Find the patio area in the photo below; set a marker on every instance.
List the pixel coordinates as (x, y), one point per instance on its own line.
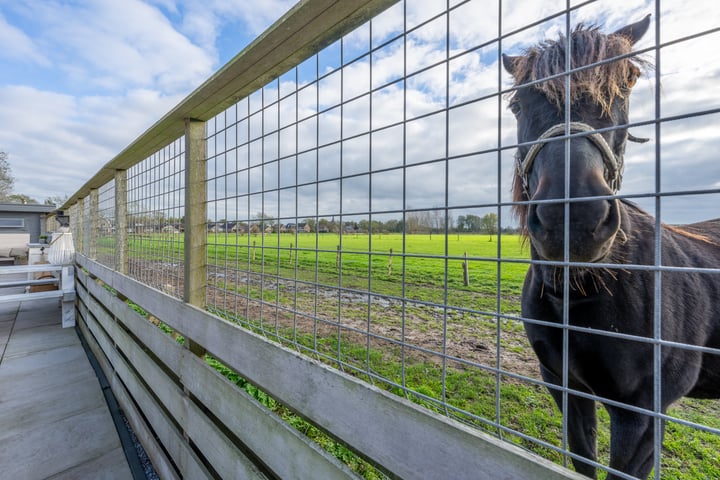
(54, 420)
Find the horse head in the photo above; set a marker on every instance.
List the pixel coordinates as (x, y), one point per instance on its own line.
(572, 140)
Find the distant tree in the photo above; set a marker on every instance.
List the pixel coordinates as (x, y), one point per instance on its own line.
(263, 220)
(473, 223)
(436, 219)
(6, 178)
(20, 198)
(56, 200)
(393, 226)
(323, 225)
(377, 227)
(489, 224)
(412, 223)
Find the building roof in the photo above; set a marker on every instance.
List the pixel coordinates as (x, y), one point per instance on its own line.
(26, 208)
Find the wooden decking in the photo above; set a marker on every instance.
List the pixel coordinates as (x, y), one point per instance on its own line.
(54, 421)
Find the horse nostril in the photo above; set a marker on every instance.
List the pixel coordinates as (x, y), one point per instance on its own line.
(610, 221)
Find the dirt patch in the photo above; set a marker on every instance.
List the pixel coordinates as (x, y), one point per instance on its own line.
(423, 331)
(463, 338)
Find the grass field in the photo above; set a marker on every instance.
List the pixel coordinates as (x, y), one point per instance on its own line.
(395, 310)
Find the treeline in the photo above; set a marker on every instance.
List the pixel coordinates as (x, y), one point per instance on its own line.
(424, 222)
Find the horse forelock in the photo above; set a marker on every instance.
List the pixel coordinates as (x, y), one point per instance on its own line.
(601, 84)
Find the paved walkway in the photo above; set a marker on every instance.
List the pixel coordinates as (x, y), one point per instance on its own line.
(54, 422)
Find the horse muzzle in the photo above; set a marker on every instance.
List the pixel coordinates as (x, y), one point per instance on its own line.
(593, 227)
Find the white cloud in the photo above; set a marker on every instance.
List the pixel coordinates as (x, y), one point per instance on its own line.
(123, 45)
(22, 47)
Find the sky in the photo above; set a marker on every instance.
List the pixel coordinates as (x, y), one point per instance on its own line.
(81, 80)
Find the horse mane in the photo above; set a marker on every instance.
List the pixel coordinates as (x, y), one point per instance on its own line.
(686, 231)
(602, 83)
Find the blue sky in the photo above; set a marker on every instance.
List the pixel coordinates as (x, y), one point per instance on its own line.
(80, 80)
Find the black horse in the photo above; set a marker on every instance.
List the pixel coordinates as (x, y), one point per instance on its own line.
(612, 297)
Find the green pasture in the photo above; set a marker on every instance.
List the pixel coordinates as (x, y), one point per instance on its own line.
(420, 267)
(424, 270)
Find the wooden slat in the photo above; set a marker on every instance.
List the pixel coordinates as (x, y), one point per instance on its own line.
(45, 267)
(172, 439)
(281, 447)
(22, 283)
(27, 297)
(407, 440)
(224, 457)
(161, 463)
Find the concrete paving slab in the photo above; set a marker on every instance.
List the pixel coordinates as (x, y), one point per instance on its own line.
(31, 362)
(54, 421)
(41, 380)
(28, 341)
(106, 467)
(37, 313)
(17, 414)
(8, 311)
(5, 329)
(46, 450)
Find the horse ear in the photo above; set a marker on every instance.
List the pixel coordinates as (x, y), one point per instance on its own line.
(635, 31)
(509, 63)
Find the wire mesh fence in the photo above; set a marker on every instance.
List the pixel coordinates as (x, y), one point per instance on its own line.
(155, 205)
(106, 222)
(359, 211)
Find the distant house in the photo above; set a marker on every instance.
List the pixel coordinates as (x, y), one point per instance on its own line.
(240, 227)
(21, 224)
(21, 219)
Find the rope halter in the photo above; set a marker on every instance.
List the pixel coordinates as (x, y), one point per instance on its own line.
(613, 165)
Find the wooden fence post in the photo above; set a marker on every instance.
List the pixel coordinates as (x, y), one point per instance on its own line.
(121, 222)
(466, 271)
(80, 223)
(93, 224)
(195, 281)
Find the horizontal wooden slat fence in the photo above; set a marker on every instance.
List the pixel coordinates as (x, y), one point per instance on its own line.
(198, 424)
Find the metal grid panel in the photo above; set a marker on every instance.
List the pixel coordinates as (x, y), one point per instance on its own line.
(106, 225)
(86, 213)
(155, 200)
(342, 194)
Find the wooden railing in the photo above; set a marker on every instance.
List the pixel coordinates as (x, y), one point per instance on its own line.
(63, 280)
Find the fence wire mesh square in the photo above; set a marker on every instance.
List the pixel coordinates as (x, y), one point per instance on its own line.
(359, 209)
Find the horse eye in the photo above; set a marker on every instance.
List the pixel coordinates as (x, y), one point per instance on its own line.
(515, 107)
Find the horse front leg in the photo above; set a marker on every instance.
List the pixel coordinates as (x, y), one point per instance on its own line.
(631, 442)
(582, 425)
